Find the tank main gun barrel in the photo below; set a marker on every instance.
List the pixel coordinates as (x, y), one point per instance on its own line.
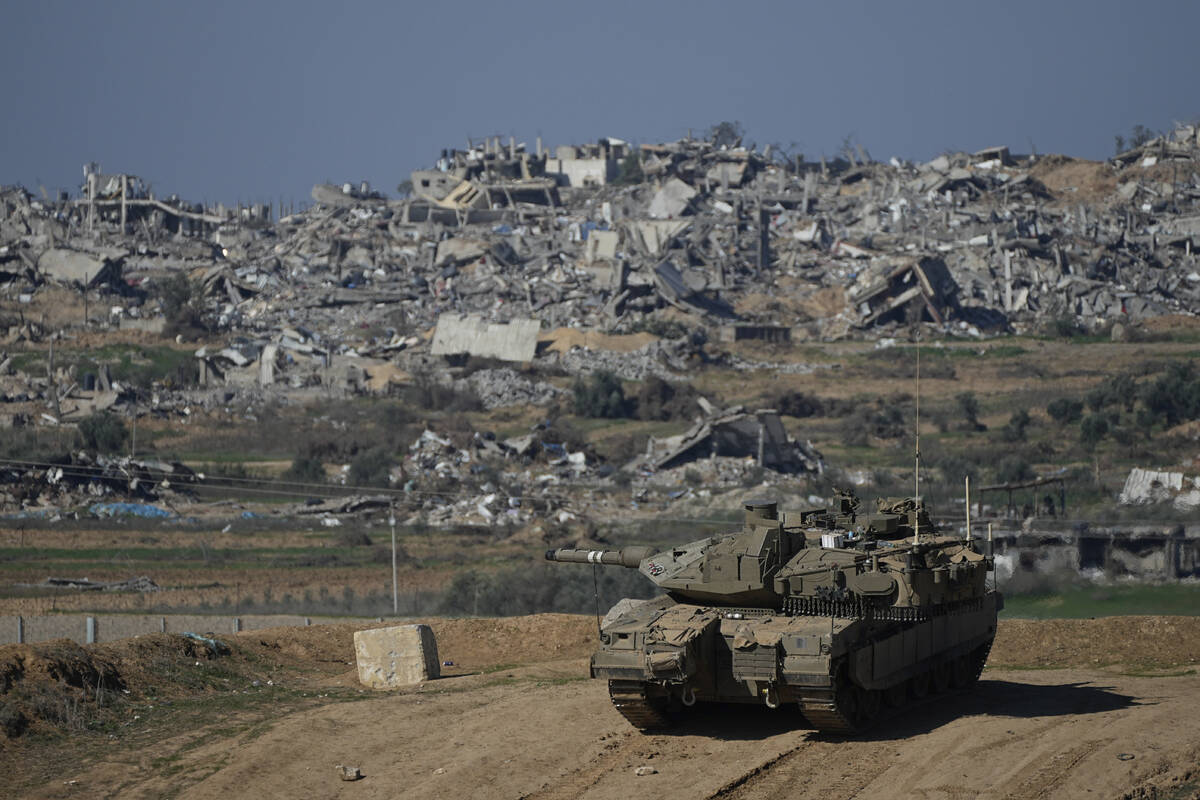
(630, 557)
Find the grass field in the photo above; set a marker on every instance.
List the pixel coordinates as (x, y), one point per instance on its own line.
(1175, 599)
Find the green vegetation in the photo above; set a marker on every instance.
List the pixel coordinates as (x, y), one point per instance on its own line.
(1081, 602)
(601, 395)
(1065, 410)
(968, 405)
(305, 469)
(104, 432)
(181, 300)
(372, 467)
(629, 171)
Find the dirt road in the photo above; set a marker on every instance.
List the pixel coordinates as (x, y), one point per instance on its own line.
(540, 732)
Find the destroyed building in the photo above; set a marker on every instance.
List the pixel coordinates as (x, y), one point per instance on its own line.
(499, 247)
(737, 433)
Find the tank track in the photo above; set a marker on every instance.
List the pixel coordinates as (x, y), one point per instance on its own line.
(824, 714)
(836, 710)
(634, 702)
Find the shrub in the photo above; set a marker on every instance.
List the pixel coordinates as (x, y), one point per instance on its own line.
(883, 419)
(968, 403)
(427, 393)
(104, 432)
(600, 395)
(372, 468)
(799, 404)
(659, 400)
(1013, 469)
(1097, 398)
(630, 170)
(354, 539)
(1065, 410)
(1065, 327)
(180, 299)
(1092, 430)
(305, 469)
(1014, 431)
(1175, 396)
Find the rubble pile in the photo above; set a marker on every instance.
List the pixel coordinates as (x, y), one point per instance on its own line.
(81, 479)
(497, 388)
(640, 261)
(725, 234)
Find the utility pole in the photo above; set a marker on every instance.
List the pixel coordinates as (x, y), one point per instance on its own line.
(395, 585)
(53, 385)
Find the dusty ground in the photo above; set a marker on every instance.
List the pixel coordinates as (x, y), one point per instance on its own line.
(1097, 708)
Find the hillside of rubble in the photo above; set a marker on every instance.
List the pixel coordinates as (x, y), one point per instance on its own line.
(536, 339)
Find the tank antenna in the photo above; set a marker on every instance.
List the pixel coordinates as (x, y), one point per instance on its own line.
(917, 447)
(968, 482)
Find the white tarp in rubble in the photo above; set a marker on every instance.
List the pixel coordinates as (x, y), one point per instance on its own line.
(459, 334)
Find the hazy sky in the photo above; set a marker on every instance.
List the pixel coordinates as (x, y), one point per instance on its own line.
(251, 101)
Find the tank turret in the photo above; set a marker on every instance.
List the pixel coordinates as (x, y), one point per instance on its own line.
(833, 608)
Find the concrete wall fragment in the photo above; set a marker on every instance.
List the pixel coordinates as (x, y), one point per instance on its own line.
(402, 655)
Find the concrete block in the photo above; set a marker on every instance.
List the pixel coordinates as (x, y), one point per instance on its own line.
(399, 656)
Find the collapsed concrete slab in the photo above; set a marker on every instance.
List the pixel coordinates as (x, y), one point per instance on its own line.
(925, 284)
(81, 269)
(458, 334)
(1148, 486)
(738, 433)
(389, 658)
(672, 200)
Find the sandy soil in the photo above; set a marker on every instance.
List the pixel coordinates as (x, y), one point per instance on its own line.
(539, 729)
(1021, 734)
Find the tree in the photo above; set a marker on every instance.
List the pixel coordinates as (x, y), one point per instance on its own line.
(1141, 134)
(104, 432)
(372, 468)
(180, 300)
(1013, 469)
(968, 403)
(1092, 430)
(305, 468)
(1065, 410)
(1014, 431)
(1175, 396)
(600, 395)
(629, 171)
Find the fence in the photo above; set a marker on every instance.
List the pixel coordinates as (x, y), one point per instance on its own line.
(89, 628)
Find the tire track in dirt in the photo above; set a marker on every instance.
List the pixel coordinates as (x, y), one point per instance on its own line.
(1030, 735)
(580, 779)
(1052, 775)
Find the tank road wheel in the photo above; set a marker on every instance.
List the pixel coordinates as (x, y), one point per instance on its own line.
(646, 706)
(979, 658)
(918, 685)
(847, 702)
(941, 677)
(962, 671)
(895, 696)
(869, 702)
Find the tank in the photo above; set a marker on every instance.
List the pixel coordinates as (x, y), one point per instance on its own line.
(844, 614)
